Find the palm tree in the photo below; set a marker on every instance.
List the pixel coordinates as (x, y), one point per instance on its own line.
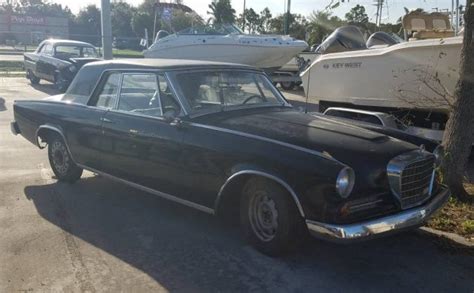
(222, 11)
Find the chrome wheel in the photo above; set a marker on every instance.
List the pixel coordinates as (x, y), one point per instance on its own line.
(60, 157)
(263, 216)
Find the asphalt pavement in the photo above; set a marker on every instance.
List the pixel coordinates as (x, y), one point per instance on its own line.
(11, 57)
(101, 236)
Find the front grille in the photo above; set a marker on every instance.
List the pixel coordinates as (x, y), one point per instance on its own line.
(410, 176)
(415, 182)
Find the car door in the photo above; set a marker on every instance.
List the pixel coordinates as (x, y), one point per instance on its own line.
(141, 144)
(43, 66)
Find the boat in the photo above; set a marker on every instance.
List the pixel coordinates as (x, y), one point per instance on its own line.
(414, 79)
(226, 43)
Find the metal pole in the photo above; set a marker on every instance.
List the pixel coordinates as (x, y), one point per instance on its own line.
(452, 13)
(243, 17)
(106, 29)
(456, 29)
(287, 19)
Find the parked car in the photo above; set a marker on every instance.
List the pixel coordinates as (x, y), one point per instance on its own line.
(221, 138)
(58, 61)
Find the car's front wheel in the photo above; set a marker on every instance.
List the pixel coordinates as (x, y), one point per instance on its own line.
(61, 162)
(269, 217)
(33, 78)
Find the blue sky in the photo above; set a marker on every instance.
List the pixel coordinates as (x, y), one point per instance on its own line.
(305, 7)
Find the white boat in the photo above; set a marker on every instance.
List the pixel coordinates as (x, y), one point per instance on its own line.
(226, 43)
(418, 75)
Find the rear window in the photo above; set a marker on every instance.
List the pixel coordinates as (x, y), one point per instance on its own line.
(83, 84)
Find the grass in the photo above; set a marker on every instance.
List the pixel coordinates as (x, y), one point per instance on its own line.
(8, 66)
(127, 53)
(456, 217)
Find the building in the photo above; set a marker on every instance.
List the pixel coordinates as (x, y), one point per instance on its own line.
(32, 29)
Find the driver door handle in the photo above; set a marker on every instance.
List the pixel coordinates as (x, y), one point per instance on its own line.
(106, 120)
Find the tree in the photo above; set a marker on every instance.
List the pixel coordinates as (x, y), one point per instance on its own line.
(265, 19)
(252, 20)
(86, 26)
(222, 12)
(357, 15)
(459, 133)
(121, 15)
(298, 24)
(321, 24)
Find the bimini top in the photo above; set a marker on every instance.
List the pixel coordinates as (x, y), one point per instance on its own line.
(88, 76)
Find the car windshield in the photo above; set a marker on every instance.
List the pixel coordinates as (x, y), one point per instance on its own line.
(76, 51)
(210, 91)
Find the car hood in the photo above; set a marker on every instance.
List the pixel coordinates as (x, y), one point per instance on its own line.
(367, 152)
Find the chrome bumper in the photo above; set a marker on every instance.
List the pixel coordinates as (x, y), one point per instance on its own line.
(14, 128)
(411, 218)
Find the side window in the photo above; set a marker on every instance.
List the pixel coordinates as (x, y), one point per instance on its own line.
(139, 93)
(47, 50)
(108, 95)
(169, 104)
(147, 94)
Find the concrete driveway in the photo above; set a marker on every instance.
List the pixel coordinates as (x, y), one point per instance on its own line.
(100, 236)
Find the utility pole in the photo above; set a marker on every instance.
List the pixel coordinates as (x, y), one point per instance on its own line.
(456, 28)
(106, 29)
(287, 18)
(243, 17)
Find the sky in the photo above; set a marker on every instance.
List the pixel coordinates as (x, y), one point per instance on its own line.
(393, 9)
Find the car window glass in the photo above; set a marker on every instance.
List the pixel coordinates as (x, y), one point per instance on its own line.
(48, 50)
(108, 95)
(215, 90)
(89, 52)
(68, 51)
(169, 104)
(139, 94)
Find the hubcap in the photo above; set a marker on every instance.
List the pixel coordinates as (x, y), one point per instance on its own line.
(263, 217)
(60, 157)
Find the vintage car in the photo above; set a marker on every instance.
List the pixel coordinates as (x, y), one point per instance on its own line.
(58, 61)
(222, 139)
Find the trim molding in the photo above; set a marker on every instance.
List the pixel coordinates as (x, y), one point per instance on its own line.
(266, 175)
(152, 191)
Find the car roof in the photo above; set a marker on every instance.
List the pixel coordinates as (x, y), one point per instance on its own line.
(67, 42)
(157, 63)
(87, 77)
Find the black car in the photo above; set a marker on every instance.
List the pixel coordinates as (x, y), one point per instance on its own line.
(221, 138)
(58, 61)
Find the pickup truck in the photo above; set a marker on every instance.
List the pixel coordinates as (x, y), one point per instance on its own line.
(58, 61)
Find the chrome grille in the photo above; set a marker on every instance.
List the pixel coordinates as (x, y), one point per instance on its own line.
(411, 177)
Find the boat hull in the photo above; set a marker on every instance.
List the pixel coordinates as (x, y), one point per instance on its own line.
(256, 52)
(416, 74)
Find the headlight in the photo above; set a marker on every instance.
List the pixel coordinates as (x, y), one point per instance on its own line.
(345, 182)
(439, 155)
(72, 68)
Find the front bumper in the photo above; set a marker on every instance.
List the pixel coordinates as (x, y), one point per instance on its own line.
(411, 218)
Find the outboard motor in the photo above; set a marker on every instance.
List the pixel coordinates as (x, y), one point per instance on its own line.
(381, 38)
(346, 38)
(161, 34)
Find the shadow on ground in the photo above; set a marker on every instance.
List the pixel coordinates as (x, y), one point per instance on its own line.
(183, 249)
(46, 87)
(2, 105)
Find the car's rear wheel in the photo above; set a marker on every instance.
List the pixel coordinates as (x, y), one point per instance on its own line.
(269, 217)
(61, 162)
(33, 78)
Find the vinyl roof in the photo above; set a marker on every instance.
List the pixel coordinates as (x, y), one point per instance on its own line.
(155, 63)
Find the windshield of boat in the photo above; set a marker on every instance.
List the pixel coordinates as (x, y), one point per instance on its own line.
(213, 91)
(222, 29)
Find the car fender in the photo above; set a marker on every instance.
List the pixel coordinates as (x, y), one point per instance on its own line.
(249, 169)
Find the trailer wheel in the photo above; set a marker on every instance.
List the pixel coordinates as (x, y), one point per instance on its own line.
(287, 86)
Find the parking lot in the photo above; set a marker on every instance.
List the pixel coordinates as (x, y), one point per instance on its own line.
(97, 235)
